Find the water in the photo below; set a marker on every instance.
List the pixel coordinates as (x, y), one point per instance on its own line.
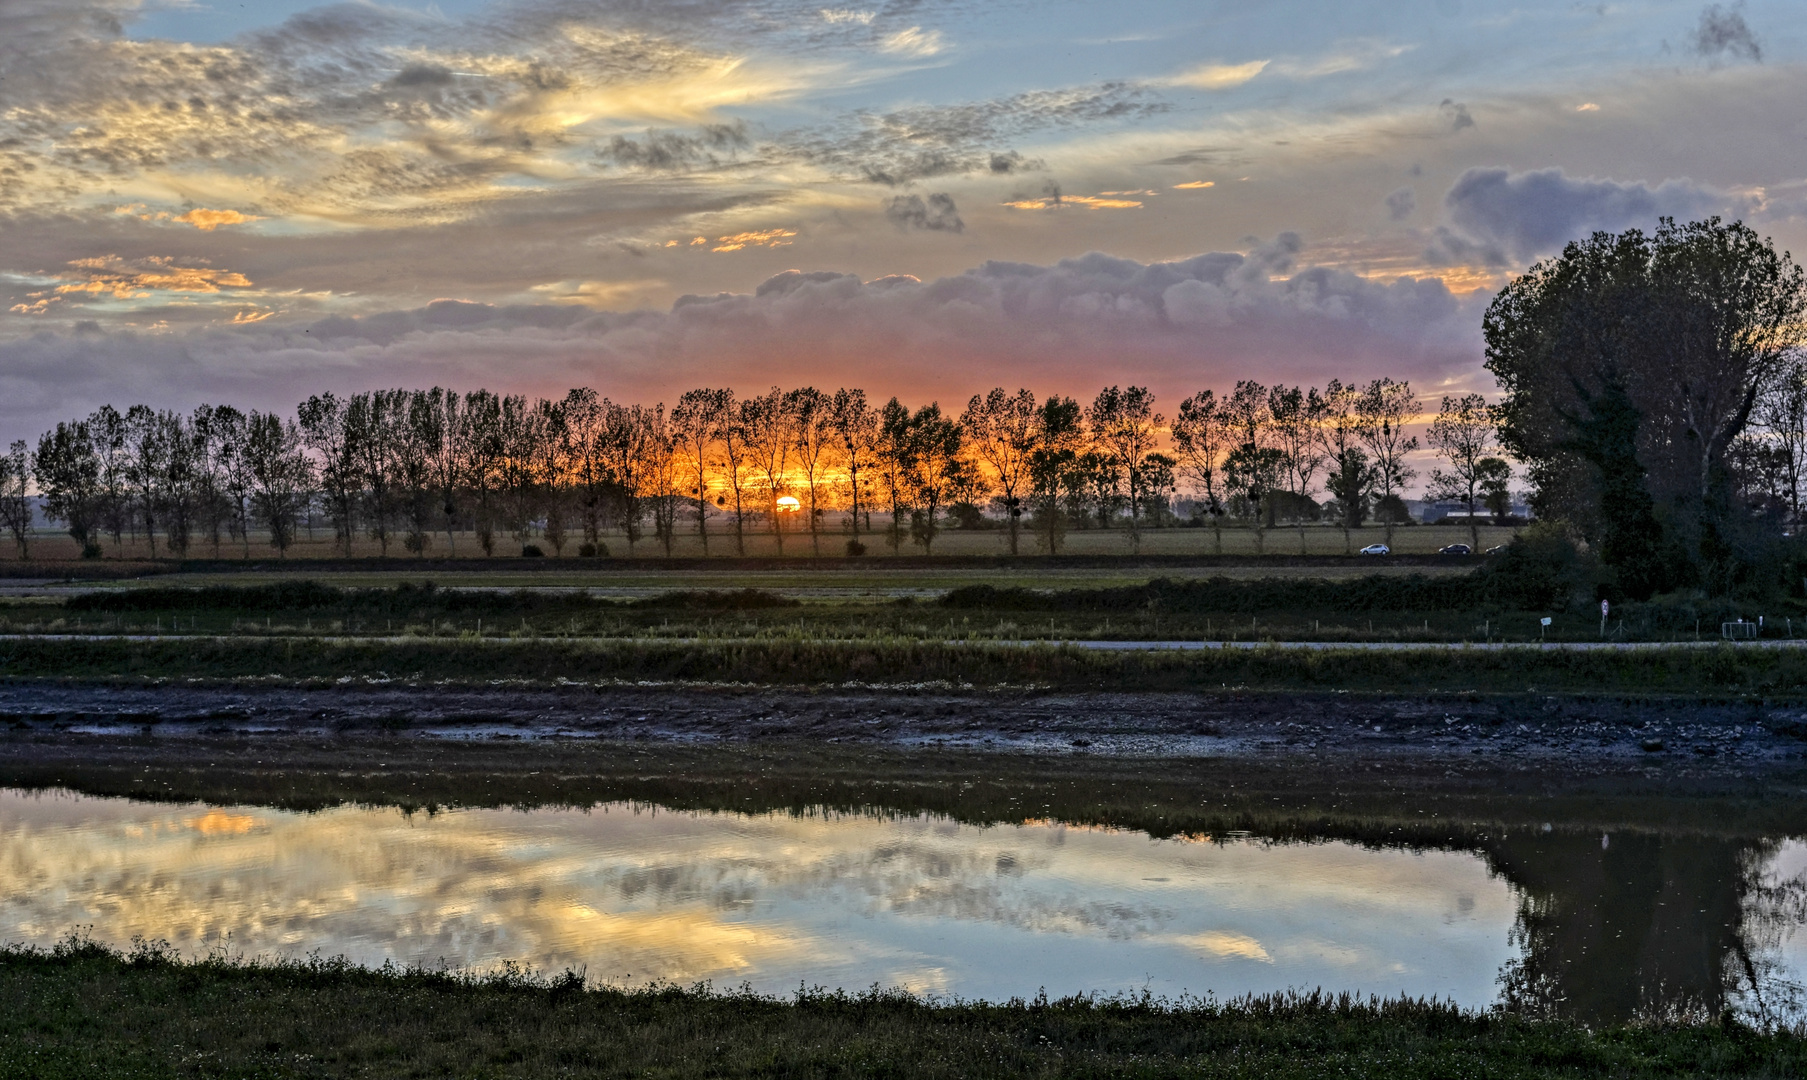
(1564, 921)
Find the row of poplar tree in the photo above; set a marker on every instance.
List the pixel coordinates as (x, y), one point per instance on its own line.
(401, 466)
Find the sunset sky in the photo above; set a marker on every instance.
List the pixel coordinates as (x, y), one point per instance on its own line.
(216, 200)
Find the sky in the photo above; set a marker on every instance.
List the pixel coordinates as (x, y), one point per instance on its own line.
(250, 202)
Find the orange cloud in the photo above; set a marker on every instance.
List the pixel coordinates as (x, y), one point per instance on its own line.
(200, 217)
(1091, 202)
(1191, 185)
(767, 238)
(123, 280)
(209, 220)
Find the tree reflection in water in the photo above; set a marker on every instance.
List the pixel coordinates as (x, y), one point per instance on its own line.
(1646, 927)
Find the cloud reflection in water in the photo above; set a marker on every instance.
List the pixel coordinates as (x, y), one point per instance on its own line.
(632, 894)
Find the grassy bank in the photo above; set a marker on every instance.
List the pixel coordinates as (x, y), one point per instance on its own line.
(1721, 671)
(1447, 608)
(83, 1011)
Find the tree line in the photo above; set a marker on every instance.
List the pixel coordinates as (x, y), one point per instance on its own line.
(403, 467)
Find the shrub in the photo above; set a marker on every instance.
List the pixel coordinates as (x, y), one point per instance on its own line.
(90, 550)
(1542, 570)
(854, 547)
(532, 551)
(593, 551)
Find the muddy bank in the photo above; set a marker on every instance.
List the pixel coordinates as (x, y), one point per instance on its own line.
(1518, 732)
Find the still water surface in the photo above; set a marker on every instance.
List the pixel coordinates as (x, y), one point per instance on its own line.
(632, 893)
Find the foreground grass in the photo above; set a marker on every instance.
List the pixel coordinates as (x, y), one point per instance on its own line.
(81, 1010)
(1716, 671)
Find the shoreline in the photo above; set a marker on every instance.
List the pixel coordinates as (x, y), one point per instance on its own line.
(1566, 733)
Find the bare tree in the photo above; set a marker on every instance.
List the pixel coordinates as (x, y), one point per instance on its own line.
(1252, 467)
(516, 437)
(218, 433)
(895, 456)
(1200, 436)
(1463, 434)
(1782, 412)
(585, 431)
(326, 433)
(549, 457)
(659, 473)
(1126, 428)
(282, 475)
(855, 428)
(1382, 413)
(480, 455)
(445, 462)
(1295, 415)
(1339, 434)
(936, 470)
(768, 429)
(811, 436)
(15, 495)
(695, 426)
(624, 457)
(147, 464)
(1053, 471)
(67, 471)
(417, 447)
(731, 436)
(1001, 430)
(375, 427)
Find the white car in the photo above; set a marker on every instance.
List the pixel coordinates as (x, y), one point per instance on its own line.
(1376, 549)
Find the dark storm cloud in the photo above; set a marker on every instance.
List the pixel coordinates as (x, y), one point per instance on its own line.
(1723, 32)
(937, 213)
(1457, 112)
(1501, 218)
(1401, 203)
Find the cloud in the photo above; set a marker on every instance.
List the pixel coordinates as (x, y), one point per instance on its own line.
(1502, 218)
(117, 278)
(922, 142)
(1401, 203)
(1723, 32)
(1353, 56)
(1009, 161)
(1054, 200)
(760, 238)
(1457, 112)
(1069, 326)
(710, 146)
(1217, 76)
(209, 220)
(847, 15)
(913, 41)
(937, 213)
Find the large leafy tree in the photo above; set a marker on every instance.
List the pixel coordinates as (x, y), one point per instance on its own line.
(1631, 364)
